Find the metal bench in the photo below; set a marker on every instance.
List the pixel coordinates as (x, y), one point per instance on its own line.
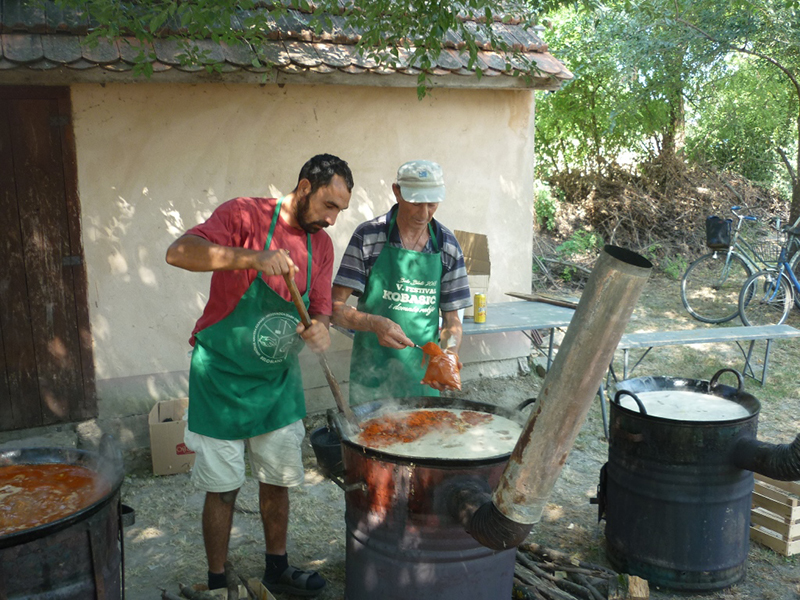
(710, 335)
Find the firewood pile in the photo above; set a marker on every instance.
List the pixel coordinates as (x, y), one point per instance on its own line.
(547, 574)
(239, 587)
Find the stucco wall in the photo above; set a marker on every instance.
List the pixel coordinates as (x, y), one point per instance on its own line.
(155, 159)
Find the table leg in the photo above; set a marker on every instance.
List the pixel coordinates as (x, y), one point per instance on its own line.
(602, 395)
(747, 369)
(766, 363)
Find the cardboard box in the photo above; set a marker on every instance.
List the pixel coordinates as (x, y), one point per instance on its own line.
(170, 454)
(476, 259)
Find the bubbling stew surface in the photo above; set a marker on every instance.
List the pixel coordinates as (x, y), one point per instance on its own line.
(440, 433)
(33, 495)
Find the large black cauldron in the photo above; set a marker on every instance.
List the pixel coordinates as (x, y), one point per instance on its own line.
(78, 557)
(676, 494)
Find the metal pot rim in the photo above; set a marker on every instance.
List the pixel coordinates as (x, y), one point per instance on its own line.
(386, 407)
(71, 456)
(700, 386)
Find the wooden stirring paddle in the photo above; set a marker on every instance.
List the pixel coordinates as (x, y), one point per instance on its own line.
(344, 407)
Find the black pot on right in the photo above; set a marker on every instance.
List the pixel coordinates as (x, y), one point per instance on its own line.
(677, 508)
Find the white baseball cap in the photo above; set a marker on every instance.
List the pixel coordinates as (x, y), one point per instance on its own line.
(421, 181)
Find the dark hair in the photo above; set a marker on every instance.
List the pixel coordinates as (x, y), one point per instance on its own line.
(320, 169)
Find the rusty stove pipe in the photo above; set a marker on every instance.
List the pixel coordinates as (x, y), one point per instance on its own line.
(505, 519)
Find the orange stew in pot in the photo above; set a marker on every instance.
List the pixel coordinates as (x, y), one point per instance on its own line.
(407, 427)
(442, 367)
(32, 495)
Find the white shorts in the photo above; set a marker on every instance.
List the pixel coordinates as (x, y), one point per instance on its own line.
(275, 458)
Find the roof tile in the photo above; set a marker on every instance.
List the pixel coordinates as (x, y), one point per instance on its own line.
(82, 65)
(45, 65)
(303, 54)
(333, 55)
(493, 60)
(448, 59)
(130, 48)
(547, 63)
(292, 69)
(61, 48)
(118, 67)
(22, 47)
(103, 52)
(168, 51)
(22, 15)
(274, 53)
(70, 20)
(237, 54)
(323, 68)
(45, 36)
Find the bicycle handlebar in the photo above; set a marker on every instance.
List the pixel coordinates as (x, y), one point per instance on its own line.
(734, 210)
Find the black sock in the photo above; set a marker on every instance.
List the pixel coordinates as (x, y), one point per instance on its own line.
(217, 581)
(276, 564)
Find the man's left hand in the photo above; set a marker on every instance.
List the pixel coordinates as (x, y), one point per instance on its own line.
(316, 336)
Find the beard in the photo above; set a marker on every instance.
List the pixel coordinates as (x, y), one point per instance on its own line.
(303, 216)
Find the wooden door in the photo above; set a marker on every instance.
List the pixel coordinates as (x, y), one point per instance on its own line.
(46, 364)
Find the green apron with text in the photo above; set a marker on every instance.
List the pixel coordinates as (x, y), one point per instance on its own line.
(245, 376)
(404, 286)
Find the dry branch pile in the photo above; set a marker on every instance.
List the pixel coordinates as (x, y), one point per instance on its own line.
(547, 574)
(659, 211)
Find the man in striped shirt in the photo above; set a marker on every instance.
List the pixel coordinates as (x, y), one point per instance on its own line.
(404, 267)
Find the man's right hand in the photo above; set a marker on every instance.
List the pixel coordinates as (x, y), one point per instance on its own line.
(389, 333)
(274, 262)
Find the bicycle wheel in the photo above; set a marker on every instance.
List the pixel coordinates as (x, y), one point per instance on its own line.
(711, 285)
(765, 299)
(794, 265)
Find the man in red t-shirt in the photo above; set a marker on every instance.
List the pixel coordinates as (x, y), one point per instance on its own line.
(245, 388)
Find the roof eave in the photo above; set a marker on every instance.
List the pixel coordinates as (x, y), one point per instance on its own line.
(62, 75)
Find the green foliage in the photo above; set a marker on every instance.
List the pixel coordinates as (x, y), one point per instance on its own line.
(545, 206)
(719, 77)
(674, 267)
(579, 243)
(744, 121)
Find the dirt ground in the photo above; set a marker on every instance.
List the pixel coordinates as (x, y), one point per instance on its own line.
(164, 546)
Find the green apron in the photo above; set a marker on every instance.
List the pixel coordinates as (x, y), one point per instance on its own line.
(245, 377)
(404, 286)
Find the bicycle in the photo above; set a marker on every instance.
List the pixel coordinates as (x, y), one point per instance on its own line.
(711, 285)
(767, 296)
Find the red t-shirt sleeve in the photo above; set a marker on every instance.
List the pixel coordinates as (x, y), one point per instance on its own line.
(225, 225)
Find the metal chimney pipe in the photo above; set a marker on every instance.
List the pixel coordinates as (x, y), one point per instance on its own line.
(504, 520)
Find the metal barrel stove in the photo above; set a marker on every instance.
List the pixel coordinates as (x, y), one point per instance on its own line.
(401, 540)
(676, 490)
